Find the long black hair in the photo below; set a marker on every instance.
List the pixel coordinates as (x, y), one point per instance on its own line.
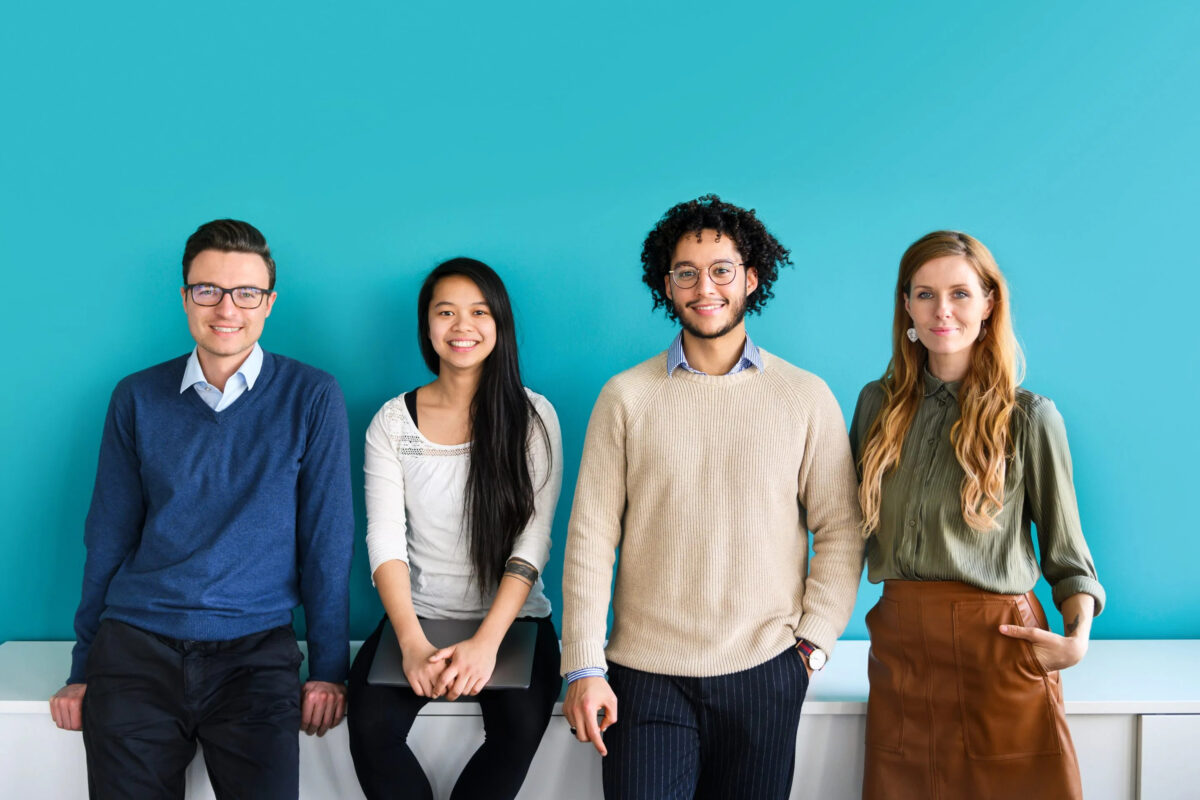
(498, 502)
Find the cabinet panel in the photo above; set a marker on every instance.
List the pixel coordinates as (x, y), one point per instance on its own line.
(1106, 745)
(1169, 767)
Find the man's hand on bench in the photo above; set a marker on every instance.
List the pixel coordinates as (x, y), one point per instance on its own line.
(66, 707)
(322, 706)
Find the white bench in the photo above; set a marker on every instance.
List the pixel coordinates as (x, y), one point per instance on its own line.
(1133, 708)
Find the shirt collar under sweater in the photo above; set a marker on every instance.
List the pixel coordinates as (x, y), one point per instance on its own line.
(676, 358)
(241, 381)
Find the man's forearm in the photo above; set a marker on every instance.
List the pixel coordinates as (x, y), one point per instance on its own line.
(325, 595)
(587, 566)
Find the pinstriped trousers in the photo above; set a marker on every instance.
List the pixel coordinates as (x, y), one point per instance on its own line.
(727, 736)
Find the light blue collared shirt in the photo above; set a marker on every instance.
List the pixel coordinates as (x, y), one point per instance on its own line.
(241, 381)
(751, 357)
(676, 358)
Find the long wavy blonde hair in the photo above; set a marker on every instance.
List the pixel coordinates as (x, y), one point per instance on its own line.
(986, 396)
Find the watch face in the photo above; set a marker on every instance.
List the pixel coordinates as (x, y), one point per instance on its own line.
(816, 659)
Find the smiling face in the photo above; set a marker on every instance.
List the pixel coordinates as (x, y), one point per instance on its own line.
(462, 329)
(948, 304)
(224, 333)
(709, 310)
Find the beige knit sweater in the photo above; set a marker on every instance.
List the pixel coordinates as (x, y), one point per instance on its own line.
(709, 485)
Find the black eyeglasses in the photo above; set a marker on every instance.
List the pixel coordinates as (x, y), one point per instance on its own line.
(722, 273)
(206, 294)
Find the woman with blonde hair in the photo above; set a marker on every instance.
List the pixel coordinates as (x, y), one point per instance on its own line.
(956, 462)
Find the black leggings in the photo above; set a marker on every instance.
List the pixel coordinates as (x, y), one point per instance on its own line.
(380, 717)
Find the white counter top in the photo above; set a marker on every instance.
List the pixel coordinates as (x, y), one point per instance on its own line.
(1117, 677)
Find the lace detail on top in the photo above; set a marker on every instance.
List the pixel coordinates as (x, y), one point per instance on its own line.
(407, 440)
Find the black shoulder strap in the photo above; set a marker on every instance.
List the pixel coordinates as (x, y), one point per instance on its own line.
(410, 401)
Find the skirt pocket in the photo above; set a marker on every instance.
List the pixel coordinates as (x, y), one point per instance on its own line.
(885, 672)
(1006, 706)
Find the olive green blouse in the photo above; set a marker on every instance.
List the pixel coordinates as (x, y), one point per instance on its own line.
(922, 534)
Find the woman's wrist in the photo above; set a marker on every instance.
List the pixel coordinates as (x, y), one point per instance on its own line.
(413, 641)
(490, 633)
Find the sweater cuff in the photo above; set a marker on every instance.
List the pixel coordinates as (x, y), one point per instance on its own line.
(328, 666)
(78, 665)
(821, 632)
(583, 655)
(1080, 584)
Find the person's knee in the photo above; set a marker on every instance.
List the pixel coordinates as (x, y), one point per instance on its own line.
(375, 715)
(369, 719)
(520, 736)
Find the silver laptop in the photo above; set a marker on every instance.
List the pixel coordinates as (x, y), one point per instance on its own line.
(514, 659)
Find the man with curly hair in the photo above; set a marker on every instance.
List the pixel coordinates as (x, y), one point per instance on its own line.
(708, 465)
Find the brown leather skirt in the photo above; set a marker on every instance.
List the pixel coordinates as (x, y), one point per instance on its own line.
(958, 710)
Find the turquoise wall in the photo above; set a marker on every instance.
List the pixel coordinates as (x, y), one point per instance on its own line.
(372, 140)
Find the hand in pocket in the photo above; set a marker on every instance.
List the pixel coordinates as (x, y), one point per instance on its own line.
(1052, 651)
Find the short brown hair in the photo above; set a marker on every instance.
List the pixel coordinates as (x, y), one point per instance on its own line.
(228, 236)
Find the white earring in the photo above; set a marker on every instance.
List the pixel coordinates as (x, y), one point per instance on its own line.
(912, 334)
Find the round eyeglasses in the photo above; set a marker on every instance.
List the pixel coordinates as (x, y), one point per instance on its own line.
(206, 294)
(722, 273)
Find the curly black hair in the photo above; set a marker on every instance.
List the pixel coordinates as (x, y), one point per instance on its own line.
(758, 247)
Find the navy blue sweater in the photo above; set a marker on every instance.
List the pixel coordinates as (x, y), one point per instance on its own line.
(212, 526)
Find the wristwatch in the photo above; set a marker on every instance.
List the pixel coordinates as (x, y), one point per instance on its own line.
(816, 656)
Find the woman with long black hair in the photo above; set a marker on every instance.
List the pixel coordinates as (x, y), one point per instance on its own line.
(462, 476)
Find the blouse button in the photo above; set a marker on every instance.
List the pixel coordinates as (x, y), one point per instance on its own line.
(912, 523)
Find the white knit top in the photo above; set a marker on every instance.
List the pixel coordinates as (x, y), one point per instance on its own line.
(414, 493)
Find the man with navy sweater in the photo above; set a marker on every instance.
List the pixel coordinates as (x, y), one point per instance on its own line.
(222, 501)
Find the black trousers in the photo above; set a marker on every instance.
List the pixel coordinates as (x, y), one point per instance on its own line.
(729, 736)
(150, 698)
(514, 720)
